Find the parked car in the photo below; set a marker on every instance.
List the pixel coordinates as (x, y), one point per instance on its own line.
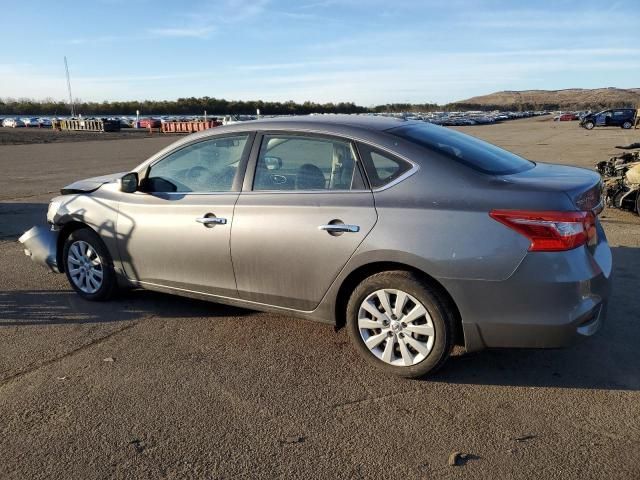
(618, 117)
(12, 122)
(30, 122)
(123, 121)
(45, 122)
(150, 123)
(566, 117)
(414, 236)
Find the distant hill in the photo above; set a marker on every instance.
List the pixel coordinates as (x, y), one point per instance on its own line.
(569, 99)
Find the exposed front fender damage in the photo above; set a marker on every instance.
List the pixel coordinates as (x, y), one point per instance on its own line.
(89, 185)
(97, 211)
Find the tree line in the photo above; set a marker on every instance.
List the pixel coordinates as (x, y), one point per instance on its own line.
(181, 106)
(217, 106)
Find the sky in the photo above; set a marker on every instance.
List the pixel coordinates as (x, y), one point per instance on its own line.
(369, 52)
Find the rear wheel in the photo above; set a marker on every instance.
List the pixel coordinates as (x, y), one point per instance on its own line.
(88, 265)
(627, 125)
(400, 324)
(589, 125)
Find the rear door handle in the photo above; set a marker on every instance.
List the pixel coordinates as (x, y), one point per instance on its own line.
(339, 228)
(210, 221)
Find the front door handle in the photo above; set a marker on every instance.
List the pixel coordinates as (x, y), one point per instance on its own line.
(211, 221)
(339, 228)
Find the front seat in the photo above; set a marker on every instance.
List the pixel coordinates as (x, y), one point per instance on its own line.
(309, 177)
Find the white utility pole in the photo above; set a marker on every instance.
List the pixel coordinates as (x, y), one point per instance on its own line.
(66, 67)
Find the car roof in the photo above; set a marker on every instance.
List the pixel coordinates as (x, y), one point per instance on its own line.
(367, 122)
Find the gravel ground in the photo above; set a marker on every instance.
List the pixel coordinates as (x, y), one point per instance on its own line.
(25, 136)
(154, 386)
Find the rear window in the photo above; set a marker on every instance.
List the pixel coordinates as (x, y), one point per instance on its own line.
(479, 155)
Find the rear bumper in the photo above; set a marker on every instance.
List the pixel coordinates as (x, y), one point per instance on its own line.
(41, 244)
(552, 300)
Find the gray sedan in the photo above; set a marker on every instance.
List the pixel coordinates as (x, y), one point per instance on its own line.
(413, 236)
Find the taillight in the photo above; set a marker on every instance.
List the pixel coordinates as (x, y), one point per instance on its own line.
(550, 231)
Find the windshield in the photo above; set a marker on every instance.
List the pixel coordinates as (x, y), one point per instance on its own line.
(475, 153)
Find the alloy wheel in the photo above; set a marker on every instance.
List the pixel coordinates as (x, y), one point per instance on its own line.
(85, 267)
(396, 327)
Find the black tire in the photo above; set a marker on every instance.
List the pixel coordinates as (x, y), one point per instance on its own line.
(440, 311)
(109, 283)
(638, 203)
(589, 125)
(627, 125)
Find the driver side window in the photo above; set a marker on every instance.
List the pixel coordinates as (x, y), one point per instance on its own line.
(203, 167)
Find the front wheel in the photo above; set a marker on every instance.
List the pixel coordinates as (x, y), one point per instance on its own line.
(88, 265)
(400, 324)
(589, 125)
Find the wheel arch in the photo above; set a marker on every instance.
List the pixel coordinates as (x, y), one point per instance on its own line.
(65, 231)
(363, 271)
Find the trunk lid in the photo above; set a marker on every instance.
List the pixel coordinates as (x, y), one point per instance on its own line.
(582, 186)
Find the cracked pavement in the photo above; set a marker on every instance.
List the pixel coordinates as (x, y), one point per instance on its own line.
(155, 386)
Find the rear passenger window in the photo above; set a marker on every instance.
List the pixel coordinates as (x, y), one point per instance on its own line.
(382, 168)
(306, 163)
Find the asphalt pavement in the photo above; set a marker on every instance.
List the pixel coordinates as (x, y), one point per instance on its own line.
(156, 386)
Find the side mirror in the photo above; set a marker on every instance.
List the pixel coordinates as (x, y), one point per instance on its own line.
(129, 183)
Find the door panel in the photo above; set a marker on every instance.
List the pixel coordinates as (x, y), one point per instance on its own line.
(280, 255)
(160, 240)
(177, 235)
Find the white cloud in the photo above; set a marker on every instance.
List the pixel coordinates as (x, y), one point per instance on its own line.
(88, 40)
(189, 32)
(531, 19)
(203, 22)
(436, 77)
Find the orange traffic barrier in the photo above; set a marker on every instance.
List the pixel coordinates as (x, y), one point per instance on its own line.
(188, 127)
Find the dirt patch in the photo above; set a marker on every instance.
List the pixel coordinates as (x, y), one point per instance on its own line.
(23, 136)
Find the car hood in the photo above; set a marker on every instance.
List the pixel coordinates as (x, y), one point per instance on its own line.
(90, 184)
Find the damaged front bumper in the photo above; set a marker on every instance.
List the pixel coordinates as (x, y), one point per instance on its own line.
(41, 244)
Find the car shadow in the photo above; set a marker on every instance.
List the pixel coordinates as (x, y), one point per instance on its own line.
(56, 307)
(608, 360)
